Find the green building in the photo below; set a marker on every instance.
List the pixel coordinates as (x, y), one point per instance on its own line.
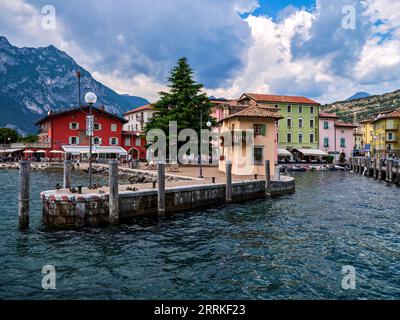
(299, 128)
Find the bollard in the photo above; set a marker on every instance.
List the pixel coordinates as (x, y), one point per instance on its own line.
(255, 176)
(397, 174)
(368, 167)
(213, 179)
(114, 198)
(375, 164)
(161, 188)
(23, 197)
(267, 178)
(67, 174)
(389, 170)
(351, 164)
(278, 173)
(380, 169)
(228, 181)
(154, 184)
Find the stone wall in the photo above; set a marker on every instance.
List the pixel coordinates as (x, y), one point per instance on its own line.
(75, 211)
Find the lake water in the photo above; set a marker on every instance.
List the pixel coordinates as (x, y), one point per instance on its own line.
(293, 247)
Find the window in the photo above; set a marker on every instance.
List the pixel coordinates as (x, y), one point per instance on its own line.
(311, 123)
(326, 142)
(289, 138)
(289, 109)
(326, 125)
(342, 142)
(97, 126)
(113, 127)
(136, 127)
(259, 129)
(114, 141)
(311, 137)
(258, 155)
(300, 109)
(73, 140)
(74, 126)
(96, 141)
(127, 141)
(300, 123)
(289, 123)
(138, 142)
(300, 137)
(311, 109)
(390, 136)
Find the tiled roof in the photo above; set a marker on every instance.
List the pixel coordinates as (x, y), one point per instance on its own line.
(284, 99)
(256, 112)
(349, 125)
(142, 108)
(328, 115)
(393, 114)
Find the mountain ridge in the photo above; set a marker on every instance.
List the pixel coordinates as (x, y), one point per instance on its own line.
(36, 80)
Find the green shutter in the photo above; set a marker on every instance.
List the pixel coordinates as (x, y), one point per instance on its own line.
(263, 129)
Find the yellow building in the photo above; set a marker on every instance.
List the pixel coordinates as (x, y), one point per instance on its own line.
(247, 158)
(367, 134)
(386, 134)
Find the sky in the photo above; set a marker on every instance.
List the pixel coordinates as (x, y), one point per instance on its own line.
(326, 50)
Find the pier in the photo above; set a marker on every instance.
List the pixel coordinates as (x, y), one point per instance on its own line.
(374, 168)
(123, 203)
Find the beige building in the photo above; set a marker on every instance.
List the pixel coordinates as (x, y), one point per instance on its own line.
(236, 146)
(137, 118)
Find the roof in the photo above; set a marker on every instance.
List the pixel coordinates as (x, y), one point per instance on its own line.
(142, 108)
(328, 115)
(284, 153)
(95, 149)
(349, 125)
(393, 114)
(80, 109)
(256, 112)
(276, 98)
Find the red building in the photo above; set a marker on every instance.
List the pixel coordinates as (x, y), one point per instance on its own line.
(66, 131)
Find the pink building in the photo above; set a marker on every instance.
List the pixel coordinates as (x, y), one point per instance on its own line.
(336, 137)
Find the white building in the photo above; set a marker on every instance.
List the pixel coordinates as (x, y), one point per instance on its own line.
(137, 118)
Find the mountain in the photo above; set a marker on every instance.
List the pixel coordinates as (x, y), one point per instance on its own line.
(36, 80)
(359, 95)
(134, 101)
(364, 108)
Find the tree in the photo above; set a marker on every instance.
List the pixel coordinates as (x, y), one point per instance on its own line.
(8, 135)
(182, 103)
(30, 138)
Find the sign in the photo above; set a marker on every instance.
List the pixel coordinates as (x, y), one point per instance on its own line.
(367, 147)
(89, 126)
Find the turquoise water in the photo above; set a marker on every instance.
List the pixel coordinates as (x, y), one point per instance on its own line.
(290, 247)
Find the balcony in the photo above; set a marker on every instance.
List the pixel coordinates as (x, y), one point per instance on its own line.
(392, 127)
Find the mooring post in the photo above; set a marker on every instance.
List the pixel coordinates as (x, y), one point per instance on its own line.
(374, 164)
(351, 164)
(389, 170)
(114, 197)
(362, 165)
(228, 181)
(268, 178)
(23, 197)
(67, 174)
(368, 167)
(161, 188)
(397, 173)
(380, 169)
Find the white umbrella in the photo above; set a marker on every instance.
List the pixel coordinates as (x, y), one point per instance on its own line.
(41, 151)
(29, 151)
(57, 151)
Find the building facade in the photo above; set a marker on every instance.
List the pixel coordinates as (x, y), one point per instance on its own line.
(298, 127)
(246, 159)
(386, 134)
(66, 131)
(134, 140)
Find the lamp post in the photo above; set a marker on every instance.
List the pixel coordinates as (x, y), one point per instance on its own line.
(90, 99)
(209, 124)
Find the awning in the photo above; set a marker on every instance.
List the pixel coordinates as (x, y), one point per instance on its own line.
(108, 150)
(312, 152)
(76, 150)
(10, 150)
(41, 151)
(284, 153)
(57, 152)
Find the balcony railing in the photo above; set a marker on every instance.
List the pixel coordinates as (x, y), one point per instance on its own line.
(34, 145)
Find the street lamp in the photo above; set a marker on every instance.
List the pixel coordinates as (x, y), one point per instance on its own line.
(209, 124)
(90, 99)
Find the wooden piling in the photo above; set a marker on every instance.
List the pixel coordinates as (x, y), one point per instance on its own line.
(114, 197)
(389, 170)
(375, 169)
(228, 181)
(23, 197)
(380, 169)
(267, 178)
(161, 188)
(67, 174)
